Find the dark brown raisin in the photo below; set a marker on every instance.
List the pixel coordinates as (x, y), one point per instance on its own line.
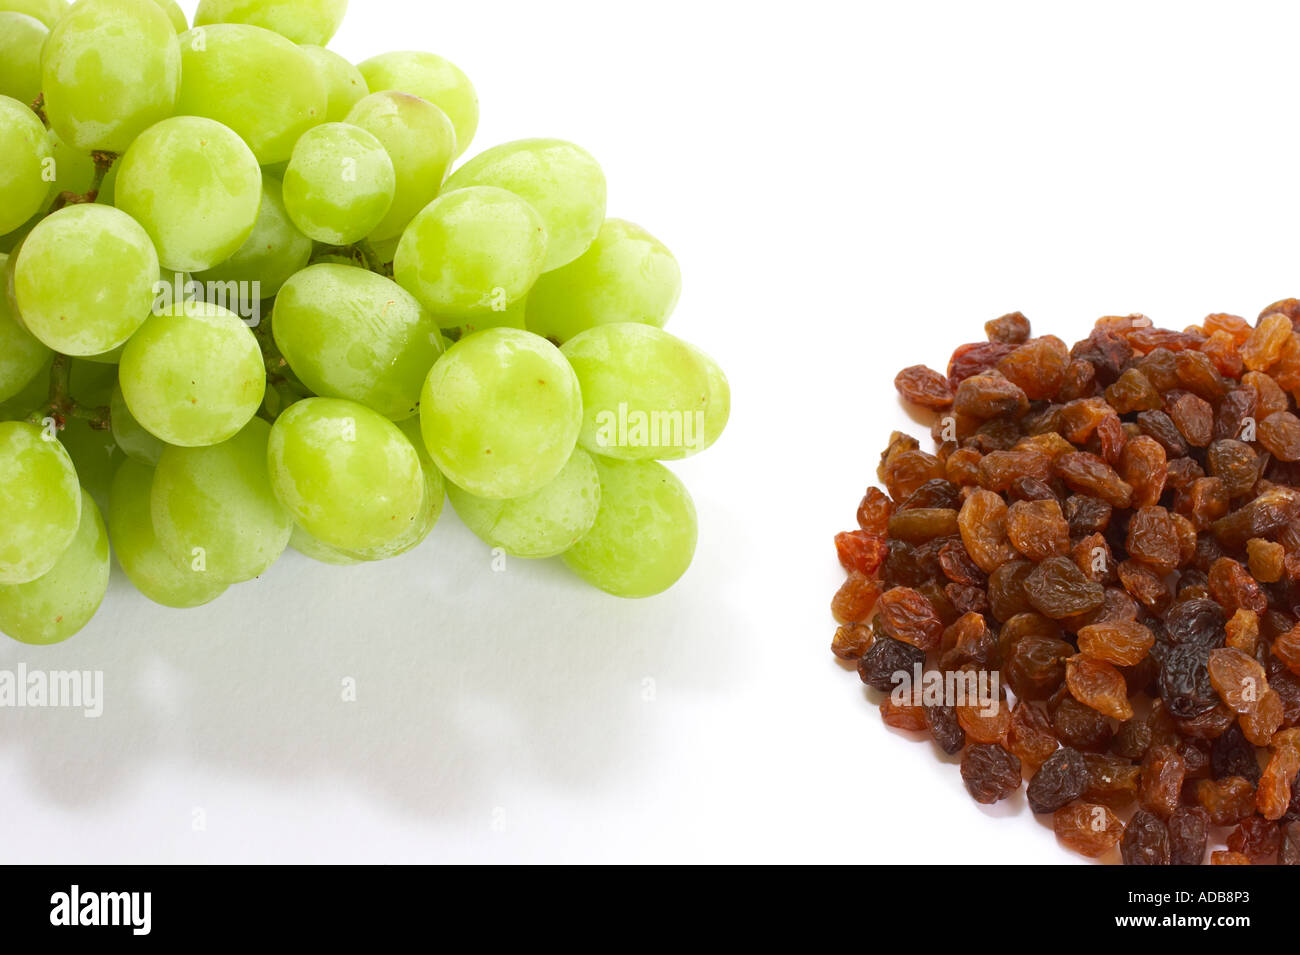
(1058, 782)
(990, 773)
(1146, 840)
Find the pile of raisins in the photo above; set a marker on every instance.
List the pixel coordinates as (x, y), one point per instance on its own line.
(1114, 530)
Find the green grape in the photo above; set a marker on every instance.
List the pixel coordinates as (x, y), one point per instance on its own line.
(431, 505)
(145, 563)
(60, 603)
(84, 279)
(718, 412)
(542, 524)
(110, 70)
(626, 276)
(25, 174)
(21, 40)
(349, 333)
(350, 478)
(561, 181)
(214, 510)
(471, 252)
(339, 184)
(110, 357)
(645, 394)
(193, 375)
(40, 499)
(74, 170)
(94, 454)
(254, 81)
(431, 78)
(195, 187)
(130, 435)
(309, 546)
(302, 21)
(275, 251)
(645, 533)
(48, 12)
(21, 356)
(343, 82)
(500, 413)
(421, 142)
(175, 14)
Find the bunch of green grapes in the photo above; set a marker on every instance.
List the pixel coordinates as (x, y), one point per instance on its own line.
(252, 304)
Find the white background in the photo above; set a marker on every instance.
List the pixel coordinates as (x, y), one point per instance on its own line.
(850, 188)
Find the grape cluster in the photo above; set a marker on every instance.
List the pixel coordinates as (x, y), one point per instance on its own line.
(251, 304)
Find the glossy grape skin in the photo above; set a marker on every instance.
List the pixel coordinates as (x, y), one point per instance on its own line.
(302, 21)
(560, 180)
(350, 333)
(141, 557)
(510, 317)
(431, 505)
(195, 187)
(40, 499)
(174, 14)
(718, 412)
(26, 151)
(421, 142)
(471, 251)
(21, 355)
(432, 78)
(254, 81)
(84, 279)
(48, 12)
(309, 546)
(645, 534)
(637, 374)
(194, 375)
(34, 396)
(21, 39)
(542, 524)
(500, 413)
(135, 442)
(61, 602)
(627, 275)
(219, 499)
(109, 71)
(339, 184)
(344, 83)
(273, 252)
(348, 476)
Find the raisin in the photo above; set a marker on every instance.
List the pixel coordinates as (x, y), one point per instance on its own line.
(1259, 724)
(1060, 780)
(1057, 588)
(925, 387)
(908, 470)
(1233, 413)
(990, 773)
(986, 396)
(1233, 587)
(1143, 465)
(1242, 632)
(937, 493)
(1086, 515)
(1080, 726)
(1232, 755)
(1264, 346)
(1098, 685)
(874, 511)
(1223, 857)
(861, 552)
(1235, 463)
(1133, 391)
(1089, 829)
(1269, 396)
(1111, 781)
(1192, 416)
(1038, 529)
(1271, 511)
(1088, 474)
(1234, 326)
(1153, 539)
(1035, 668)
(921, 524)
(1222, 351)
(1163, 771)
(1288, 852)
(1161, 428)
(1184, 681)
(887, 659)
(1287, 649)
(1279, 433)
(1189, 834)
(998, 470)
(852, 640)
(1133, 739)
(903, 716)
(1257, 839)
(1197, 374)
(1012, 328)
(983, 727)
(855, 599)
(1226, 801)
(1030, 735)
(1240, 680)
(944, 728)
(1007, 590)
(907, 615)
(975, 358)
(967, 599)
(1038, 367)
(983, 526)
(1123, 643)
(1199, 622)
(1146, 840)
(1274, 795)
(962, 466)
(1146, 585)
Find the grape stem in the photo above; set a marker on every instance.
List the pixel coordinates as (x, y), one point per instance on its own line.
(62, 406)
(38, 107)
(362, 254)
